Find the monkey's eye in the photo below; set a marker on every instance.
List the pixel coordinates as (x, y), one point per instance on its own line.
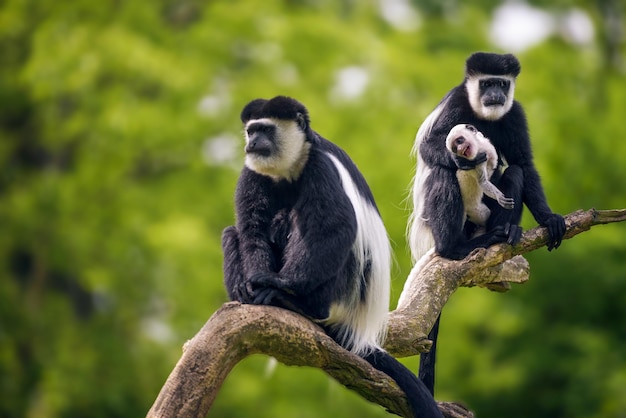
(265, 129)
(470, 128)
(494, 82)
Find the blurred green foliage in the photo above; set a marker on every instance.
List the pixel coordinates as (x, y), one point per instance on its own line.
(120, 145)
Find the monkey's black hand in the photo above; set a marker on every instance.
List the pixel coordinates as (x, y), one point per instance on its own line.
(514, 233)
(556, 229)
(509, 233)
(242, 292)
(247, 291)
(264, 288)
(465, 164)
(266, 296)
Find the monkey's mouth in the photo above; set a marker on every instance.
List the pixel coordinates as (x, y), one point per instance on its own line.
(494, 101)
(265, 152)
(464, 149)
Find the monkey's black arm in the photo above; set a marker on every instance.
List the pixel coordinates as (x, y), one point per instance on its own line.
(324, 231)
(433, 150)
(254, 217)
(523, 179)
(532, 191)
(535, 199)
(533, 194)
(466, 164)
(518, 152)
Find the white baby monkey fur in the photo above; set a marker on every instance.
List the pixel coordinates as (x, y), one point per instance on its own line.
(475, 182)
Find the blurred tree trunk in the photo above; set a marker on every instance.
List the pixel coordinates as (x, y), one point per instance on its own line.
(236, 331)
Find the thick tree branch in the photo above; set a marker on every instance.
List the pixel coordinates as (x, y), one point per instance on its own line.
(237, 331)
(433, 280)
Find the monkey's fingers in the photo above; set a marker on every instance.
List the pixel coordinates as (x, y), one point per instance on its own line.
(553, 244)
(507, 202)
(556, 229)
(501, 232)
(264, 296)
(514, 234)
(243, 292)
(498, 234)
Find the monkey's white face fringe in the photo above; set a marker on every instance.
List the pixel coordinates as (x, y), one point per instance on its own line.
(365, 320)
(292, 151)
(488, 112)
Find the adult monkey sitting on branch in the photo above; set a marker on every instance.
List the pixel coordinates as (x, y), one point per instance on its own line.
(485, 99)
(309, 238)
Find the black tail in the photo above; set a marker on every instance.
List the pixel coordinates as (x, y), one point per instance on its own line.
(422, 402)
(427, 360)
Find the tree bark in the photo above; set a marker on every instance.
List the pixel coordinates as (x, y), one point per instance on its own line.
(236, 331)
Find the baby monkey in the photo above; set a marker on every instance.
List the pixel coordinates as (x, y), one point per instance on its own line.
(477, 160)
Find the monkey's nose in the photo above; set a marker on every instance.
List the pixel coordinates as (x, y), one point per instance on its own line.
(251, 146)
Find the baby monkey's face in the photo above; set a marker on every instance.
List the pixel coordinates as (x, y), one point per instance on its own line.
(463, 140)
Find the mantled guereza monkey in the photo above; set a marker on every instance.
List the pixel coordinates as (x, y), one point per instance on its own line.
(309, 238)
(485, 99)
(477, 161)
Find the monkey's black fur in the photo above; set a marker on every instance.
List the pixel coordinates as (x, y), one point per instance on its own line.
(520, 180)
(492, 64)
(293, 245)
(443, 206)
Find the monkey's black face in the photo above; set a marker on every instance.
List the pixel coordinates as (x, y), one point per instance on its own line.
(494, 91)
(276, 147)
(261, 139)
(490, 96)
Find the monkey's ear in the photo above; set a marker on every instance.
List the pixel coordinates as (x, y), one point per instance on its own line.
(301, 119)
